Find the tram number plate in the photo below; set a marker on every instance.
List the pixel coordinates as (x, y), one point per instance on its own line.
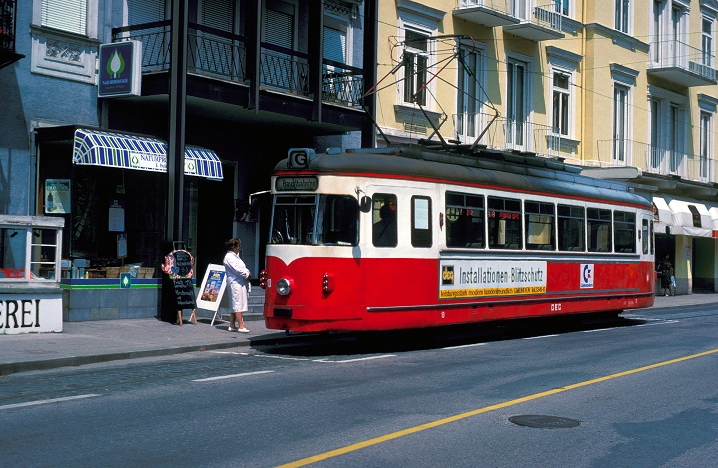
(555, 307)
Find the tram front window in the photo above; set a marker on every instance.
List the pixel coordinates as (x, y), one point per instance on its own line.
(315, 220)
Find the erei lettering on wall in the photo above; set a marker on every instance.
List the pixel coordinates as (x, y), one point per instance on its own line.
(20, 314)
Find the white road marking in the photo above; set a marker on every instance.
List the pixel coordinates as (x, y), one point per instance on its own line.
(52, 400)
(282, 357)
(232, 376)
(537, 337)
(596, 330)
(358, 359)
(464, 346)
(229, 352)
(657, 323)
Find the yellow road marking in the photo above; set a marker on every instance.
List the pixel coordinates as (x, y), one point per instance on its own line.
(486, 409)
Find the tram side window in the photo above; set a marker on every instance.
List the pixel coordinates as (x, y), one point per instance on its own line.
(539, 226)
(384, 220)
(339, 219)
(571, 223)
(464, 220)
(599, 230)
(624, 225)
(504, 223)
(293, 220)
(420, 221)
(645, 236)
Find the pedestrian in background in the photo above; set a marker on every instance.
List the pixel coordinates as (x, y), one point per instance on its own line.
(667, 277)
(238, 285)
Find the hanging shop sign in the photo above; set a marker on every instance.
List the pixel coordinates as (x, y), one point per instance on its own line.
(120, 69)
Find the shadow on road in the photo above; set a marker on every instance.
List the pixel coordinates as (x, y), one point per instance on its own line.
(333, 344)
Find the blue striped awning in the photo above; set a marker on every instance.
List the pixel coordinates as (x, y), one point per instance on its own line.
(93, 147)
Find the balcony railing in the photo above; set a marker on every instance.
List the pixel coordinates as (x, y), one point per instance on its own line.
(677, 54)
(507, 135)
(8, 13)
(656, 160)
(544, 13)
(219, 54)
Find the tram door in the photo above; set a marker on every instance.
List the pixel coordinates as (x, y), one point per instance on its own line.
(402, 247)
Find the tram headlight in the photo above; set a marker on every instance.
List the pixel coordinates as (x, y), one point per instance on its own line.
(284, 286)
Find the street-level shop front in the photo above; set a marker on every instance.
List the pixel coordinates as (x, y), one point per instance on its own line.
(30, 294)
(686, 231)
(110, 188)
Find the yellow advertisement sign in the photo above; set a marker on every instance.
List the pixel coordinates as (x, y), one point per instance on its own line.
(467, 279)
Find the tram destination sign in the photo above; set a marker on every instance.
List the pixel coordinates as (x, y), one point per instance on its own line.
(293, 184)
(467, 279)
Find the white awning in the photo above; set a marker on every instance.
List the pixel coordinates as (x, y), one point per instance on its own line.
(98, 148)
(684, 216)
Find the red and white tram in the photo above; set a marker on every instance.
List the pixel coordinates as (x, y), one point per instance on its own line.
(394, 238)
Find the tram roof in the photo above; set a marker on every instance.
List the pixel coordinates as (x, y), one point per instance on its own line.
(516, 171)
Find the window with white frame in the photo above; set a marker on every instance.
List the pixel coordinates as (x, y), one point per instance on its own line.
(416, 62)
(561, 102)
(563, 7)
(469, 94)
(668, 130)
(66, 15)
(657, 39)
(516, 101)
(623, 15)
(620, 123)
(707, 30)
(706, 145)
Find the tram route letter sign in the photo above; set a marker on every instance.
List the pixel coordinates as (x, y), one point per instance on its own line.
(468, 279)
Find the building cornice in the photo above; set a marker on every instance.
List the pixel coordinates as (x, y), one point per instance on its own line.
(620, 39)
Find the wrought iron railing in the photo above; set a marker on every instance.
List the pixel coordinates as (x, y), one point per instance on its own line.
(223, 55)
(674, 53)
(506, 134)
(656, 160)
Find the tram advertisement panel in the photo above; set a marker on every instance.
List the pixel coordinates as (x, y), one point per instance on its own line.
(464, 279)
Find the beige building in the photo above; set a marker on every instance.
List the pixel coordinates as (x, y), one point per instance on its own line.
(625, 88)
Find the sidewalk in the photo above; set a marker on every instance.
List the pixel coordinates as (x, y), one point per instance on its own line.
(109, 340)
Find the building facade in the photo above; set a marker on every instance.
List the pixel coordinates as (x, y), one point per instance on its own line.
(262, 76)
(625, 88)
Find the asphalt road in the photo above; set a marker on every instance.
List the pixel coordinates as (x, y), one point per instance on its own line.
(641, 390)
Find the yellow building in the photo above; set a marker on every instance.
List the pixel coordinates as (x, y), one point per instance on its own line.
(625, 88)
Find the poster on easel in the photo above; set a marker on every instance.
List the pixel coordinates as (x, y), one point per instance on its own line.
(212, 288)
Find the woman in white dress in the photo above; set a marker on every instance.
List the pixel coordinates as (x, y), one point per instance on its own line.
(237, 284)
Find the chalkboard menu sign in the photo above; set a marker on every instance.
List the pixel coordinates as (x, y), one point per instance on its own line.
(179, 265)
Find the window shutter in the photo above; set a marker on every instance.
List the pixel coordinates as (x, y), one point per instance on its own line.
(279, 28)
(218, 14)
(145, 11)
(67, 15)
(335, 45)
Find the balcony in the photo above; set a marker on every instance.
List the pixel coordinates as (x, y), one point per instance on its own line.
(489, 13)
(216, 54)
(680, 63)
(8, 13)
(507, 135)
(656, 160)
(536, 20)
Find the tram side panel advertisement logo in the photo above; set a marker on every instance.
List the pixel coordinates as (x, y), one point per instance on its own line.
(586, 275)
(466, 279)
